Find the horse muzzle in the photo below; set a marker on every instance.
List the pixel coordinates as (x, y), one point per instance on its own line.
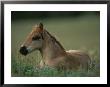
(23, 50)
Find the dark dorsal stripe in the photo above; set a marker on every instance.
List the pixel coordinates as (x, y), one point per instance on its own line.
(54, 39)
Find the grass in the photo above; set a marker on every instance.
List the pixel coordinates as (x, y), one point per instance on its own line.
(73, 33)
(28, 70)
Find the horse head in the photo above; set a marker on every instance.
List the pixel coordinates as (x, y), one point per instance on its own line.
(34, 40)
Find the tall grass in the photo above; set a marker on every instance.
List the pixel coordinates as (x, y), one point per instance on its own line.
(23, 68)
(73, 33)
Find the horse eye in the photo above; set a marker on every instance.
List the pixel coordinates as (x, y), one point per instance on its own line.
(36, 38)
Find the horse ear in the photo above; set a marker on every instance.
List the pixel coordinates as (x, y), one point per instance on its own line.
(41, 25)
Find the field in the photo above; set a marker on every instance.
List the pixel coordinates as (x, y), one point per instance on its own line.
(80, 32)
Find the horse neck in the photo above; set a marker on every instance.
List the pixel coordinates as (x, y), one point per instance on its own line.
(51, 48)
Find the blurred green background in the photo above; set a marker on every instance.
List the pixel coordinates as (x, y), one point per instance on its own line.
(77, 30)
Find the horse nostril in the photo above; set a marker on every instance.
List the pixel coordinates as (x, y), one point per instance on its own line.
(23, 50)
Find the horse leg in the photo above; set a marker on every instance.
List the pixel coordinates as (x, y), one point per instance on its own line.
(42, 64)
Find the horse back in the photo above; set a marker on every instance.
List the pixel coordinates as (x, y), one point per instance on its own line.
(78, 58)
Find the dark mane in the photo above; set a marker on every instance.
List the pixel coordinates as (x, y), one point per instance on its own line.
(54, 39)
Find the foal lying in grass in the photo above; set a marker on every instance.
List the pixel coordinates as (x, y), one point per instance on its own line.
(54, 55)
